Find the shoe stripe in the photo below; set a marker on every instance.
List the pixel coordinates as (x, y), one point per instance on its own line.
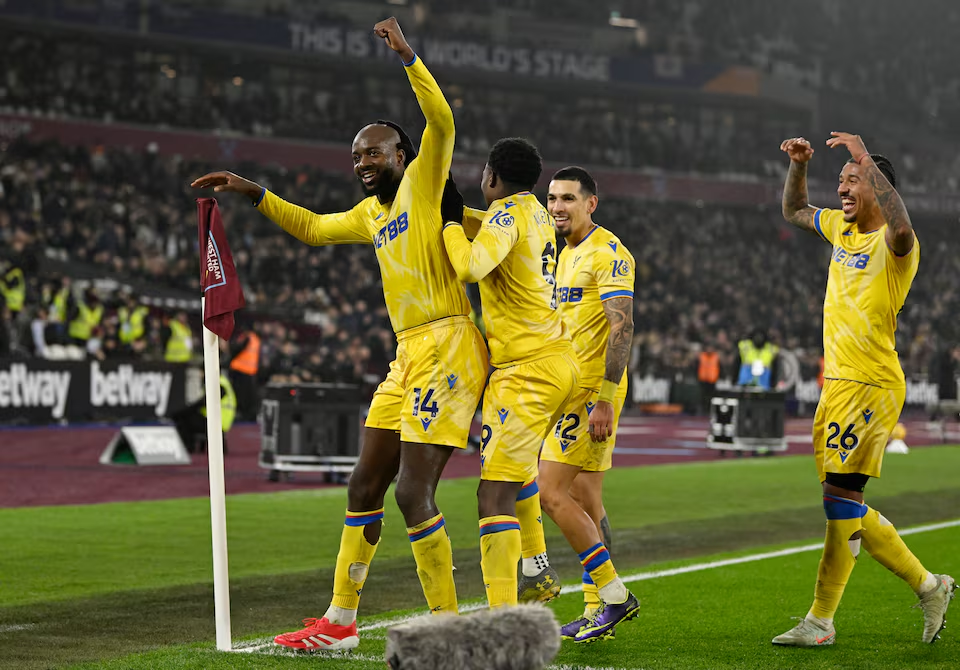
(306, 641)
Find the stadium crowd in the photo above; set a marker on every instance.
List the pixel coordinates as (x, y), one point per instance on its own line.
(705, 275)
(63, 76)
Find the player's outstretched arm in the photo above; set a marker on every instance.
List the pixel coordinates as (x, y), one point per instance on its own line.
(436, 146)
(472, 261)
(348, 227)
(900, 235)
(796, 209)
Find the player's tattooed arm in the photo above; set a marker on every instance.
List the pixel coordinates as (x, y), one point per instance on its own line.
(619, 313)
(899, 233)
(796, 209)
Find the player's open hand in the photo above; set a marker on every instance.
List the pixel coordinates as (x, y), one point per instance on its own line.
(798, 149)
(390, 31)
(601, 421)
(852, 142)
(228, 182)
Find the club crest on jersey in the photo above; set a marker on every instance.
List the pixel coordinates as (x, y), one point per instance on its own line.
(619, 268)
(502, 219)
(502, 413)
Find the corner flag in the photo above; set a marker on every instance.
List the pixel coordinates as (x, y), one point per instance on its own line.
(218, 276)
(222, 295)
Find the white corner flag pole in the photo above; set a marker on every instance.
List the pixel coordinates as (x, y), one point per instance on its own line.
(218, 498)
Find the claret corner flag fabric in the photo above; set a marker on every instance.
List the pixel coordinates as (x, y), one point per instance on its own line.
(218, 276)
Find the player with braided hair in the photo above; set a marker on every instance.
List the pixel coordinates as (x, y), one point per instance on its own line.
(423, 410)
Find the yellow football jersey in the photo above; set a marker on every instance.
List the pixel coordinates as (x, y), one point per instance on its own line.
(514, 258)
(866, 288)
(597, 269)
(419, 285)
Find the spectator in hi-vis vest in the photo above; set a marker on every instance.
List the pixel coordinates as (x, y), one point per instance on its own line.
(132, 316)
(85, 314)
(179, 340)
(757, 361)
(191, 421)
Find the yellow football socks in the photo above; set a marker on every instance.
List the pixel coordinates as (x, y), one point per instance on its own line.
(840, 550)
(531, 521)
(353, 560)
(883, 542)
(499, 554)
(591, 595)
(434, 556)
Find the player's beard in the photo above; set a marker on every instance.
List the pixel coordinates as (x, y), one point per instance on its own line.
(388, 183)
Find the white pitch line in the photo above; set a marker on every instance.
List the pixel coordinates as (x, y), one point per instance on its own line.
(696, 567)
(11, 628)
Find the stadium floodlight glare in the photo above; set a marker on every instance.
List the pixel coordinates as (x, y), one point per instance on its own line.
(622, 22)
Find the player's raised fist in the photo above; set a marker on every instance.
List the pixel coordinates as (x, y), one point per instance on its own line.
(228, 182)
(390, 31)
(852, 142)
(798, 149)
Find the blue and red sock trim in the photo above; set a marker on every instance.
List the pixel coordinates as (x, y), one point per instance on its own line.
(363, 518)
(498, 527)
(594, 557)
(837, 508)
(426, 532)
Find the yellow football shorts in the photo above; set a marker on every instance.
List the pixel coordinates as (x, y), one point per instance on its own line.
(434, 385)
(852, 426)
(569, 442)
(520, 406)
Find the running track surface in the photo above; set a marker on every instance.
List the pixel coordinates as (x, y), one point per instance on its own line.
(60, 466)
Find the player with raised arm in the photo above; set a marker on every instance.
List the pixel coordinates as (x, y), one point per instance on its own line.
(513, 257)
(874, 260)
(423, 410)
(595, 279)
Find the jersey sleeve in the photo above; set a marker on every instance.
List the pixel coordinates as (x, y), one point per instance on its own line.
(473, 261)
(614, 271)
(828, 223)
(908, 264)
(472, 220)
(432, 165)
(350, 227)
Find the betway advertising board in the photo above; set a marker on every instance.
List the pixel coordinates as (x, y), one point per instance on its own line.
(40, 391)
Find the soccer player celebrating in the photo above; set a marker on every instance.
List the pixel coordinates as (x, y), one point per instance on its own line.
(513, 257)
(874, 260)
(424, 408)
(595, 277)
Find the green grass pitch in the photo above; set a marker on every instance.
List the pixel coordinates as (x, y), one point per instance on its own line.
(128, 585)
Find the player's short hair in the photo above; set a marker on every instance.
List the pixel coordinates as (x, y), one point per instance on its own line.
(885, 166)
(577, 174)
(406, 145)
(516, 161)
